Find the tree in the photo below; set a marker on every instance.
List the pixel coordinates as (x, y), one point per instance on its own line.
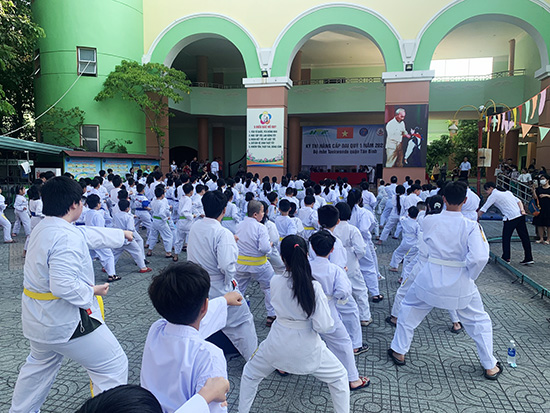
(149, 86)
(465, 142)
(18, 36)
(62, 127)
(439, 152)
(116, 145)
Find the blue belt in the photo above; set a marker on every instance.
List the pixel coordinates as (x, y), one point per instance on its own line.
(141, 209)
(79, 223)
(33, 214)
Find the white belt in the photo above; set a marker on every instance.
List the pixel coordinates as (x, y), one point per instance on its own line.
(447, 263)
(294, 324)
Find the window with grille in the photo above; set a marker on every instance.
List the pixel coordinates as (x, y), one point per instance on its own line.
(90, 137)
(87, 61)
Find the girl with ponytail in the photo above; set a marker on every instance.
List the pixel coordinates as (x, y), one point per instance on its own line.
(293, 344)
(395, 214)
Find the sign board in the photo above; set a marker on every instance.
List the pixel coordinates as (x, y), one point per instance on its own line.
(82, 167)
(119, 166)
(39, 170)
(265, 137)
(145, 165)
(342, 145)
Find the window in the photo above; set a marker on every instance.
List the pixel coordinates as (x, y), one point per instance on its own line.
(90, 137)
(87, 61)
(36, 62)
(463, 67)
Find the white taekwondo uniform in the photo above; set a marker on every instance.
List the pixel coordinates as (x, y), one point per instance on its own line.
(184, 222)
(142, 213)
(285, 226)
(356, 248)
(254, 246)
(470, 207)
(274, 256)
(214, 248)
(96, 218)
(58, 263)
(160, 209)
(390, 192)
(293, 345)
(22, 216)
(337, 287)
(411, 230)
(457, 253)
(393, 219)
(231, 217)
(125, 221)
(177, 360)
(4, 222)
(310, 220)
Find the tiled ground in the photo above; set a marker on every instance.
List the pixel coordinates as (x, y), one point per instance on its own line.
(443, 373)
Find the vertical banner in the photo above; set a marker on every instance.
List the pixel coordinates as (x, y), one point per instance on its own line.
(405, 135)
(265, 137)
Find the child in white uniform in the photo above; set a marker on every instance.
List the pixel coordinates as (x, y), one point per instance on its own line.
(232, 217)
(161, 217)
(177, 360)
(213, 247)
(410, 238)
(143, 214)
(285, 224)
(293, 344)
(185, 219)
(308, 217)
(457, 253)
(396, 213)
(22, 217)
(4, 222)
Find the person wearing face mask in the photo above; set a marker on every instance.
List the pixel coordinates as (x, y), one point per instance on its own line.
(542, 221)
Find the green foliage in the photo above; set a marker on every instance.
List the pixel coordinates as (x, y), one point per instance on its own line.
(149, 86)
(116, 146)
(464, 143)
(62, 127)
(18, 36)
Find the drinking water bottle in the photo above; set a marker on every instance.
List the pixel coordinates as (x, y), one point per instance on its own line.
(512, 354)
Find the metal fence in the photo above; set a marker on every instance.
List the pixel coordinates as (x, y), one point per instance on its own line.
(479, 78)
(519, 189)
(337, 80)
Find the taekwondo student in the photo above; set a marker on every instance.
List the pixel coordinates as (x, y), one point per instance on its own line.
(60, 313)
(457, 252)
(4, 222)
(213, 247)
(254, 247)
(185, 219)
(161, 223)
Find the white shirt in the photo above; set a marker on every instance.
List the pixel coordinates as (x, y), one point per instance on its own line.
(369, 200)
(58, 261)
(506, 202)
(465, 166)
(470, 207)
(353, 243)
(160, 208)
(253, 238)
(177, 360)
(395, 131)
(285, 226)
(214, 167)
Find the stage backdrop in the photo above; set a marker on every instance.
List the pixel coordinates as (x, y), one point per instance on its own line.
(342, 145)
(406, 136)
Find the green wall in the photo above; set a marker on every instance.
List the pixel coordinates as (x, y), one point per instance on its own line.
(528, 58)
(211, 101)
(329, 73)
(71, 24)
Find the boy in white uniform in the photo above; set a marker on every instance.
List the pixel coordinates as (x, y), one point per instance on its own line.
(161, 217)
(457, 253)
(185, 220)
(213, 247)
(4, 222)
(59, 302)
(308, 216)
(143, 214)
(254, 246)
(285, 224)
(177, 360)
(410, 238)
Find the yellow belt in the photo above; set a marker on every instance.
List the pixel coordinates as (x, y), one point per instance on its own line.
(330, 203)
(280, 239)
(40, 296)
(255, 261)
(309, 228)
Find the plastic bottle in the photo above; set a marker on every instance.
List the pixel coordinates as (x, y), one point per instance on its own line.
(247, 298)
(512, 354)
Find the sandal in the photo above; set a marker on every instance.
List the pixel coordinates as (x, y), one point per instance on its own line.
(149, 253)
(539, 241)
(269, 321)
(363, 349)
(391, 323)
(392, 269)
(282, 373)
(169, 256)
(112, 278)
(377, 298)
(395, 360)
(498, 373)
(365, 382)
(175, 258)
(455, 331)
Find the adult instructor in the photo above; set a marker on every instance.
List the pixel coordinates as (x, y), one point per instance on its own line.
(395, 130)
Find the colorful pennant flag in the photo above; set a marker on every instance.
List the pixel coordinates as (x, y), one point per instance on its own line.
(525, 128)
(527, 110)
(542, 101)
(534, 106)
(543, 132)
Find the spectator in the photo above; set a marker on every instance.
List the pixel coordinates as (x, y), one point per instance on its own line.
(542, 221)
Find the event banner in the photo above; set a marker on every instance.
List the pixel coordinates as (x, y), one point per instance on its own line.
(342, 145)
(119, 166)
(406, 135)
(265, 137)
(82, 167)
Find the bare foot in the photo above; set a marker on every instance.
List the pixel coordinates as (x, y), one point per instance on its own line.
(457, 326)
(492, 371)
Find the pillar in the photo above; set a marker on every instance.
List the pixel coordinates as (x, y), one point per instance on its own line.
(494, 145)
(294, 152)
(511, 142)
(531, 152)
(270, 93)
(202, 69)
(407, 88)
(296, 68)
(543, 147)
(202, 124)
(512, 57)
(218, 145)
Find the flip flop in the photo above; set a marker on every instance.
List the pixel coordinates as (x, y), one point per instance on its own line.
(454, 331)
(391, 323)
(113, 278)
(395, 360)
(149, 253)
(498, 373)
(365, 382)
(363, 349)
(269, 321)
(282, 373)
(377, 298)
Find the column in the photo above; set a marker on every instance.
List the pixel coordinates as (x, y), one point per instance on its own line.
(202, 69)
(294, 152)
(543, 148)
(202, 124)
(218, 146)
(494, 145)
(408, 88)
(296, 68)
(270, 93)
(511, 146)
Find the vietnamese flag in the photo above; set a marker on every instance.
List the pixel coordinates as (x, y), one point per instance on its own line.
(344, 133)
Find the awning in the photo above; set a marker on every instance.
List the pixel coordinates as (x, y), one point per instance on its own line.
(14, 144)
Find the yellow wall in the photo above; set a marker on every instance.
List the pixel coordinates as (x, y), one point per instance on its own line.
(265, 21)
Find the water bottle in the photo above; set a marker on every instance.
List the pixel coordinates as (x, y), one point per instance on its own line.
(247, 298)
(512, 354)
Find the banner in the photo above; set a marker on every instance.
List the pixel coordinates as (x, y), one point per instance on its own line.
(119, 166)
(82, 167)
(406, 132)
(265, 137)
(329, 146)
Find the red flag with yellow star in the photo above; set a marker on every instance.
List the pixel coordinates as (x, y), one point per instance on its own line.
(344, 133)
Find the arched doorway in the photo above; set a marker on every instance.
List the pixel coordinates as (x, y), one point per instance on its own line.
(182, 154)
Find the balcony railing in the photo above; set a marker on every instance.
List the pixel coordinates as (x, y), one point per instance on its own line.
(479, 78)
(336, 80)
(217, 85)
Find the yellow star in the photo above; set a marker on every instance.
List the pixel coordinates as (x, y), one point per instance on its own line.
(345, 133)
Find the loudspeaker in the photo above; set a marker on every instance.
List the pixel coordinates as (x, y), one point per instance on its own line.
(379, 171)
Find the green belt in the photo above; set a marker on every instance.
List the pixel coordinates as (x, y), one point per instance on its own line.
(157, 218)
(182, 217)
(227, 219)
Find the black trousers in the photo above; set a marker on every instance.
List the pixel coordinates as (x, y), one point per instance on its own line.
(517, 224)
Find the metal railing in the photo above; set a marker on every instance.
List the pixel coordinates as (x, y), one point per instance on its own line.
(479, 78)
(217, 85)
(337, 80)
(519, 189)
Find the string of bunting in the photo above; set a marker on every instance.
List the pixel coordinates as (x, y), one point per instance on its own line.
(525, 116)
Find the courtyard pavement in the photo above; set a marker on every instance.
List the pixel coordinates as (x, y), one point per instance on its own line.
(443, 373)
